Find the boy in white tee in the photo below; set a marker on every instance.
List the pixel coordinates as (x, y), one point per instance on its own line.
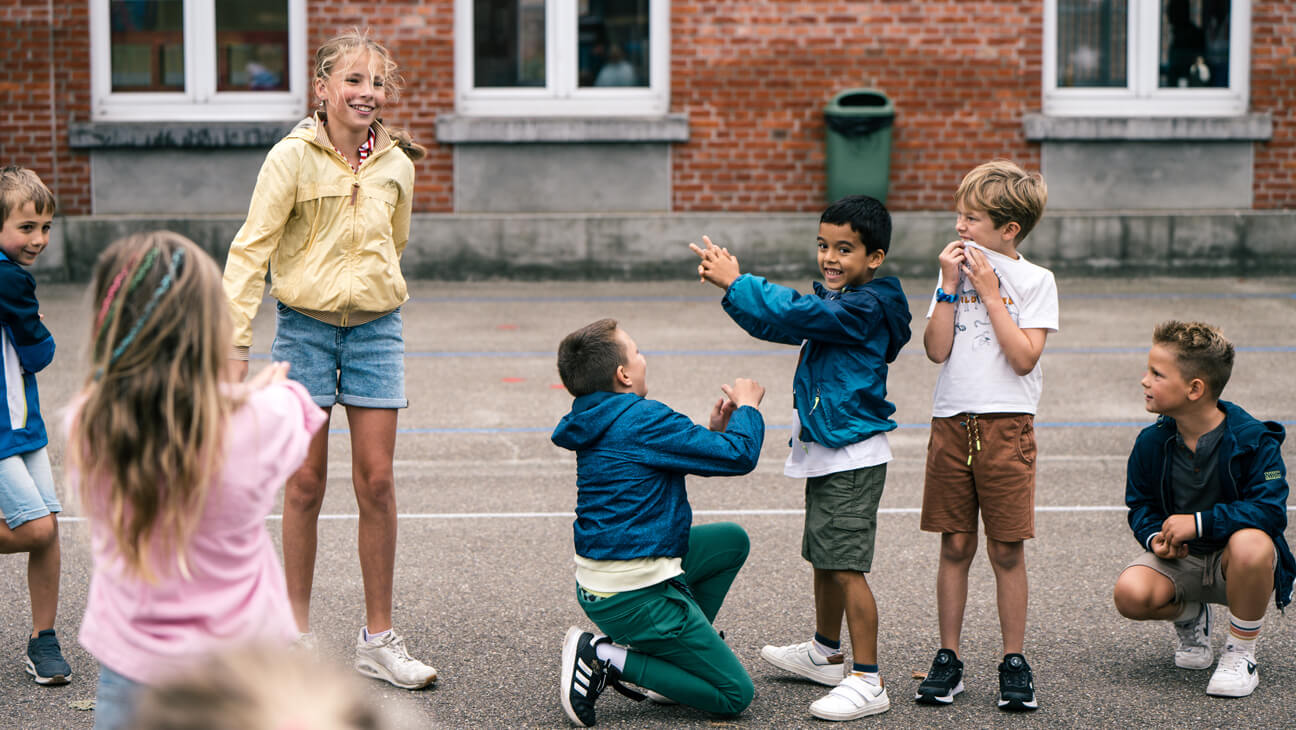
(987, 323)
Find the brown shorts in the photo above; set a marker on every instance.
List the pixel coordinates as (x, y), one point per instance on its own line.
(981, 462)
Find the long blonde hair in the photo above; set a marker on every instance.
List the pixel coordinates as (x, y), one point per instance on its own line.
(382, 64)
(146, 437)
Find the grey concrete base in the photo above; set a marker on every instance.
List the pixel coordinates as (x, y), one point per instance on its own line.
(167, 181)
(1180, 175)
(562, 177)
(652, 246)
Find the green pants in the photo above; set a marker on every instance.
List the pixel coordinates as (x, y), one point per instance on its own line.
(673, 648)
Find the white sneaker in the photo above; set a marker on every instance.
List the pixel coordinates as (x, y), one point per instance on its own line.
(803, 660)
(387, 659)
(1194, 651)
(1235, 676)
(852, 698)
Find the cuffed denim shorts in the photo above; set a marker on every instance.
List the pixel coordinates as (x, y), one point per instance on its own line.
(360, 366)
(27, 488)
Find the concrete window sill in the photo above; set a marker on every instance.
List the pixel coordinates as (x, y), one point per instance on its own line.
(460, 129)
(176, 135)
(1246, 128)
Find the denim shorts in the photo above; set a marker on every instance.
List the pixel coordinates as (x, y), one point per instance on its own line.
(27, 488)
(115, 700)
(360, 366)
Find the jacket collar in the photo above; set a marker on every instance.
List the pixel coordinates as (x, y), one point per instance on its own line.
(312, 130)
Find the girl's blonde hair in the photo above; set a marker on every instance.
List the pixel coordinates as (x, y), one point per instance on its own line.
(253, 689)
(334, 50)
(146, 438)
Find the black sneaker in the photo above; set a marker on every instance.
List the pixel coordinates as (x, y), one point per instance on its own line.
(584, 677)
(45, 661)
(1016, 684)
(944, 680)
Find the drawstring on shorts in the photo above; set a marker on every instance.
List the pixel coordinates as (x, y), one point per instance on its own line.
(973, 434)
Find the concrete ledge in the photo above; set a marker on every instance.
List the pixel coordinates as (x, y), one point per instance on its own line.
(458, 129)
(654, 246)
(1249, 127)
(172, 135)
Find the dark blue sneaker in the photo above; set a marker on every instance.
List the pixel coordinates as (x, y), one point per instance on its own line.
(45, 661)
(1016, 684)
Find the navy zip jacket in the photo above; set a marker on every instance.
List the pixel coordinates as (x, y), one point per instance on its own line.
(1254, 492)
(631, 457)
(26, 347)
(839, 388)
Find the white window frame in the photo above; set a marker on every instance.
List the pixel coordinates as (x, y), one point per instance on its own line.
(200, 101)
(562, 96)
(1142, 97)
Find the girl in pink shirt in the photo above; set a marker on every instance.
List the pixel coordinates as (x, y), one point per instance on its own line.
(177, 472)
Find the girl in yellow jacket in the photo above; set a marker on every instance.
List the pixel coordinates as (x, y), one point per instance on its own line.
(330, 216)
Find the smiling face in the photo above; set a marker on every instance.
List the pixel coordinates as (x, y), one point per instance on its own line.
(354, 92)
(843, 260)
(25, 233)
(1165, 390)
(632, 376)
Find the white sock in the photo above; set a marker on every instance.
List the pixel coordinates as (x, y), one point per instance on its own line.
(1189, 612)
(1243, 634)
(374, 637)
(873, 678)
(823, 650)
(612, 654)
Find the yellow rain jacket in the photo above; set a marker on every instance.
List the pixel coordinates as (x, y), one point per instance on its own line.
(332, 236)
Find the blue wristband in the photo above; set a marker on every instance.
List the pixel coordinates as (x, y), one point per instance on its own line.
(941, 296)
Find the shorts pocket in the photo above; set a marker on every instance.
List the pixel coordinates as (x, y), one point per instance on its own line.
(1026, 443)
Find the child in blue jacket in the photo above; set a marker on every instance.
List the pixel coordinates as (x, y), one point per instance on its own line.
(849, 330)
(1207, 494)
(646, 576)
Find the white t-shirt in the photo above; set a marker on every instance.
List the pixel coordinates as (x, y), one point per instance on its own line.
(977, 377)
(809, 459)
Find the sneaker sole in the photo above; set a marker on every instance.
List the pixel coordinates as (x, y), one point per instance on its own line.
(1018, 705)
(1188, 662)
(802, 672)
(875, 709)
(926, 698)
(54, 681)
(374, 672)
(567, 673)
(1234, 693)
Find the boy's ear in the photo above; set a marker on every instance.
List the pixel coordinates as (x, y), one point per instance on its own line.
(622, 378)
(1010, 230)
(875, 258)
(1197, 389)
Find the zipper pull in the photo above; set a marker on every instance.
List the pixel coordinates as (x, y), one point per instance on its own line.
(355, 191)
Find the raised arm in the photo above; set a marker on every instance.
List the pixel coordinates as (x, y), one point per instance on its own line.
(938, 337)
(1022, 347)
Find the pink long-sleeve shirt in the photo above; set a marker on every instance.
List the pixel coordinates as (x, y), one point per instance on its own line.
(235, 593)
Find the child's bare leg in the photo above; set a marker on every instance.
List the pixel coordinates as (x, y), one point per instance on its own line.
(829, 604)
(373, 446)
(1009, 562)
(303, 497)
(1142, 594)
(43, 565)
(957, 551)
(1248, 571)
(861, 615)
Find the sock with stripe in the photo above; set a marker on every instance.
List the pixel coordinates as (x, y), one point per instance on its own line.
(867, 672)
(1242, 634)
(825, 647)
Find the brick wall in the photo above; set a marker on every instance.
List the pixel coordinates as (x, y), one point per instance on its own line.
(752, 75)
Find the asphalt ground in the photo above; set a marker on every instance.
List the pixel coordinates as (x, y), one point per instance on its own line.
(484, 587)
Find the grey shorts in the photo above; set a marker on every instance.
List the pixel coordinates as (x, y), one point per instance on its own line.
(841, 518)
(1195, 577)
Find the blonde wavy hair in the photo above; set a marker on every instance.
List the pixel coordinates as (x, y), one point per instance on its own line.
(1006, 192)
(146, 437)
(335, 50)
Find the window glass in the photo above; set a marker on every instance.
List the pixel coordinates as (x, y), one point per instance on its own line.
(509, 43)
(1092, 43)
(1194, 43)
(613, 43)
(252, 45)
(147, 45)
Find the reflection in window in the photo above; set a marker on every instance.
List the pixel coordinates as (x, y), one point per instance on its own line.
(147, 40)
(509, 43)
(1194, 43)
(1091, 42)
(252, 45)
(613, 43)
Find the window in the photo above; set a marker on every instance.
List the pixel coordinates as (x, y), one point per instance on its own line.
(592, 58)
(1146, 57)
(198, 60)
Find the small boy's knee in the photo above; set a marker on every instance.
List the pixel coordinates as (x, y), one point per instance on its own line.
(1005, 555)
(36, 534)
(1251, 549)
(735, 699)
(958, 547)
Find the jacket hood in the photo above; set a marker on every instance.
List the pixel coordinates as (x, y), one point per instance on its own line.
(1246, 428)
(895, 308)
(311, 129)
(590, 418)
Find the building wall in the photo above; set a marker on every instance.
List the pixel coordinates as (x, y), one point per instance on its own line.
(751, 77)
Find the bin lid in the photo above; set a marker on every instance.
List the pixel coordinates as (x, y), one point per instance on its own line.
(860, 103)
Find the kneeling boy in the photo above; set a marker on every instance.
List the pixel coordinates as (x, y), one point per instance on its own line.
(1207, 494)
(645, 575)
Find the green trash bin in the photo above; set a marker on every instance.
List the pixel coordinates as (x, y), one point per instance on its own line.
(857, 131)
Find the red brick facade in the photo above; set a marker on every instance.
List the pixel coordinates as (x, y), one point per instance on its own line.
(752, 76)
